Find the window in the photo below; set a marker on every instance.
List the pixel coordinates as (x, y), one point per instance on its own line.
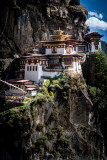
(54, 49)
(96, 47)
(29, 61)
(30, 68)
(27, 68)
(81, 48)
(33, 68)
(96, 42)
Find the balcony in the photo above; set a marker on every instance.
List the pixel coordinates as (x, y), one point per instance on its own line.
(54, 63)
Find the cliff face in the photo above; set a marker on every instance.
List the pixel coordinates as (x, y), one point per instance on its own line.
(64, 127)
(26, 22)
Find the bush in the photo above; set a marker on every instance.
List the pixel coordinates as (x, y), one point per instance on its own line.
(40, 126)
(52, 133)
(64, 142)
(55, 114)
(60, 130)
(45, 91)
(51, 93)
(42, 140)
(40, 99)
(47, 83)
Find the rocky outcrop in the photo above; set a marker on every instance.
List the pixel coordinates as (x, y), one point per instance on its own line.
(60, 128)
(24, 23)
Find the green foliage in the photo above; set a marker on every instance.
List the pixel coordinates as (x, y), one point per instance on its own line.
(56, 154)
(61, 146)
(98, 91)
(44, 90)
(55, 114)
(42, 139)
(60, 130)
(104, 47)
(99, 69)
(40, 99)
(33, 146)
(52, 133)
(40, 126)
(64, 142)
(47, 83)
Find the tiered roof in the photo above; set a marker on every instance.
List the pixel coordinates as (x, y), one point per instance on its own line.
(94, 35)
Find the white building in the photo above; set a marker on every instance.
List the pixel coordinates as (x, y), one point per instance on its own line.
(61, 54)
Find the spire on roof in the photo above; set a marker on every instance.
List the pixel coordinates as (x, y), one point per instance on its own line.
(59, 36)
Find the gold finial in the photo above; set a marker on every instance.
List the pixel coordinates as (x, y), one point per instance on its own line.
(59, 36)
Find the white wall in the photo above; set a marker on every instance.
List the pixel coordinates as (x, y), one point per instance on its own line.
(33, 93)
(93, 47)
(51, 74)
(76, 49)
(61, 50)
(99, 46)
(40, 72)
(48, 51)
(73, 64)
(31, 75)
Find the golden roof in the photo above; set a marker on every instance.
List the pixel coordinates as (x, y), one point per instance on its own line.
(59, 36)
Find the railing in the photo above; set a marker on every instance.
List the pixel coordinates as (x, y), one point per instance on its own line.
(54, 63)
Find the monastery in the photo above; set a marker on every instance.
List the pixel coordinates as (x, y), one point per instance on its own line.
(62, 54)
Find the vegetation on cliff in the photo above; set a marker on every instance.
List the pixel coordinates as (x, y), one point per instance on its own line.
(98, 87)
(104, 46)
(42, 122)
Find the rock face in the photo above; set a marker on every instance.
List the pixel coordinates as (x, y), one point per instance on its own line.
(24, 23)
(52, 129)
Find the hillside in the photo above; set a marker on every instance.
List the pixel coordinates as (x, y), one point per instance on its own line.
(104, 47)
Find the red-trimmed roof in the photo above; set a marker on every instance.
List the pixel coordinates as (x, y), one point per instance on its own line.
(94, 34)
(18, 80)
(63, 41)
(31, 86)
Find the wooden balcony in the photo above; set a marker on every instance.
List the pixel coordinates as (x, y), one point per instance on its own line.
(54, 64)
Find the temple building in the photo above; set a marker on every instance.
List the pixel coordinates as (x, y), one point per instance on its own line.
(94, 40)
(62, 54)
(21, 87)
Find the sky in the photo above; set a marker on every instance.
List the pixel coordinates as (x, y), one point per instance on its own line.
(97, 16)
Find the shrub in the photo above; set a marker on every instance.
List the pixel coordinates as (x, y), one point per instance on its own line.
(52, 133)
(40, 126)
(60, 130)
(33, 146)
(51, 93)
(47, 83)
(42, 140)
(40, 99)
(55, 114)
(56, 154)
(64, 142)
(45, 91)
